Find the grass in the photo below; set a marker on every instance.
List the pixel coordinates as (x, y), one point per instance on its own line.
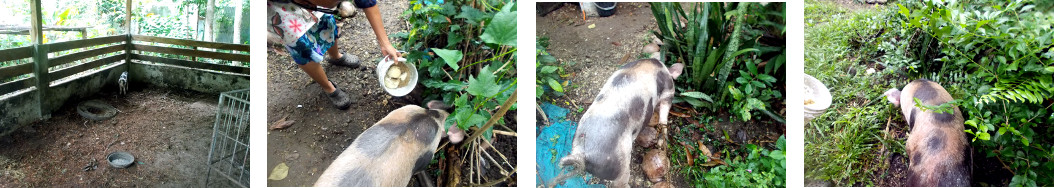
(847, 144)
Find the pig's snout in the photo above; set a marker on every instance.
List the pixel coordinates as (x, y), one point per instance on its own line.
(893, 95)
(455, 134)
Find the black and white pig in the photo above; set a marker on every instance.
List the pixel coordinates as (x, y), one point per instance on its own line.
(388, 153)
(938, 151)
(604, 138)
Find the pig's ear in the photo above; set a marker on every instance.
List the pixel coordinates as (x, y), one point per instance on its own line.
(893, 95)
(676, 69)
(438, 105)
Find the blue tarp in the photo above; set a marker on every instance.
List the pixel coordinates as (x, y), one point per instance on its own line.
(553, 143)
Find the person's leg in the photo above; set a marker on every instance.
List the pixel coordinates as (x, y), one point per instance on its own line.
(334, 52)
(314, 70)
(336, 57)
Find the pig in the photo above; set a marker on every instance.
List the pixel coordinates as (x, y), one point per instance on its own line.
(390, 151)
(604, 138)
(938, 151)
(123, 82)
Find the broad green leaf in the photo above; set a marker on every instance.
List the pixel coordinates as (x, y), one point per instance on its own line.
(694, 102)
(451, 57)
(904, 10)
(556, 85)
(548, 69)
(471, 15)
(697, 95)
(983, 136)
(502, 29)
(735, 92)
(483, 85)
(767, 78)
(452, 85)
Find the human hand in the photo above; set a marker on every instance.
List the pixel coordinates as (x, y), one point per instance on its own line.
(390, 52)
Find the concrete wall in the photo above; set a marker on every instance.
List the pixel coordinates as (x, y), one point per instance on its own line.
(18, 110)
(199, 80)
(77, 90)
(22, 109)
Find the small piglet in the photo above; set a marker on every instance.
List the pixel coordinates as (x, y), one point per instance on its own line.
(604, 138)
(390, 151)
(123, 82)
(938, 151)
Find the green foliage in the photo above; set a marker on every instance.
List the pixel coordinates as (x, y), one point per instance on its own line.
(471, 63)
(749, 166)
(548, 72)
(1006, 48)
(700, 38)
(991, 55)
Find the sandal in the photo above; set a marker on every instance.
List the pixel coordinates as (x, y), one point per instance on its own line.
(346, 60)
(339, 98)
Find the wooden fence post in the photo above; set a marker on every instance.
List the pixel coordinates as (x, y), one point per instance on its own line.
(40, 59)
(128, 36)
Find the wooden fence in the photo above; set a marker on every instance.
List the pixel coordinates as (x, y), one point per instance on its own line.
(127, 47)
(46, 76)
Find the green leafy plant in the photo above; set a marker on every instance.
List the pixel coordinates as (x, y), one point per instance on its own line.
(751, 166)
(548, 72)
(465, 51)
(700, 38)
(1005, 47)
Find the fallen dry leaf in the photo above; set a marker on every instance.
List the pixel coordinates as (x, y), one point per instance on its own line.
(705, 150)
(680, 114)
(714, 162)
(281, 124)
(279, 172)
(688, 153)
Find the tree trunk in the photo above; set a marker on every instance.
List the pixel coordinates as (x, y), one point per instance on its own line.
(236, 39)
(210, 20)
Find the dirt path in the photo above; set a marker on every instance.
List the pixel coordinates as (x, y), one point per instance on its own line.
(596, 52)
(168, 132)
(599, 51)
(321, 131)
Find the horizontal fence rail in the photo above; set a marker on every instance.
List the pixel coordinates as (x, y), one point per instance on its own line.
(60, 67)
(198, 53)
(9, 72)
(64, 60)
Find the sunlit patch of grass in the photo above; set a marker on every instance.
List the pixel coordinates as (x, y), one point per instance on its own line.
(843, 144)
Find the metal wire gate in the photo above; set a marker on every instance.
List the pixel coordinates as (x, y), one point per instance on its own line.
(229, 153)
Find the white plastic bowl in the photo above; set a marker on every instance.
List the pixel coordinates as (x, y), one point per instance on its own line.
(382, 69)
(821, 96)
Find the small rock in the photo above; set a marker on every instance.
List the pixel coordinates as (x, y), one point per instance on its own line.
(870, 71)
(292, 157)
(646, 137)
(655, 165)
(651, 48)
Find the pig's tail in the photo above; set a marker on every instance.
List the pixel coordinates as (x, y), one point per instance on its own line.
(577, 164)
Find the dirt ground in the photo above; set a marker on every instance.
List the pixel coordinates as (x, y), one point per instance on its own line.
(599, 51)
(168, 131)
(321, 131)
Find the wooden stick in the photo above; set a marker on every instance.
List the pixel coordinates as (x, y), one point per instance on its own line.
(494, 118)
(501, 155)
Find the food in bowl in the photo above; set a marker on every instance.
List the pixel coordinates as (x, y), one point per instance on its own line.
(396, 76)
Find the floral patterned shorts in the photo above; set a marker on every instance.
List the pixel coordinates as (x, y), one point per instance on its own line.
(313, 45)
